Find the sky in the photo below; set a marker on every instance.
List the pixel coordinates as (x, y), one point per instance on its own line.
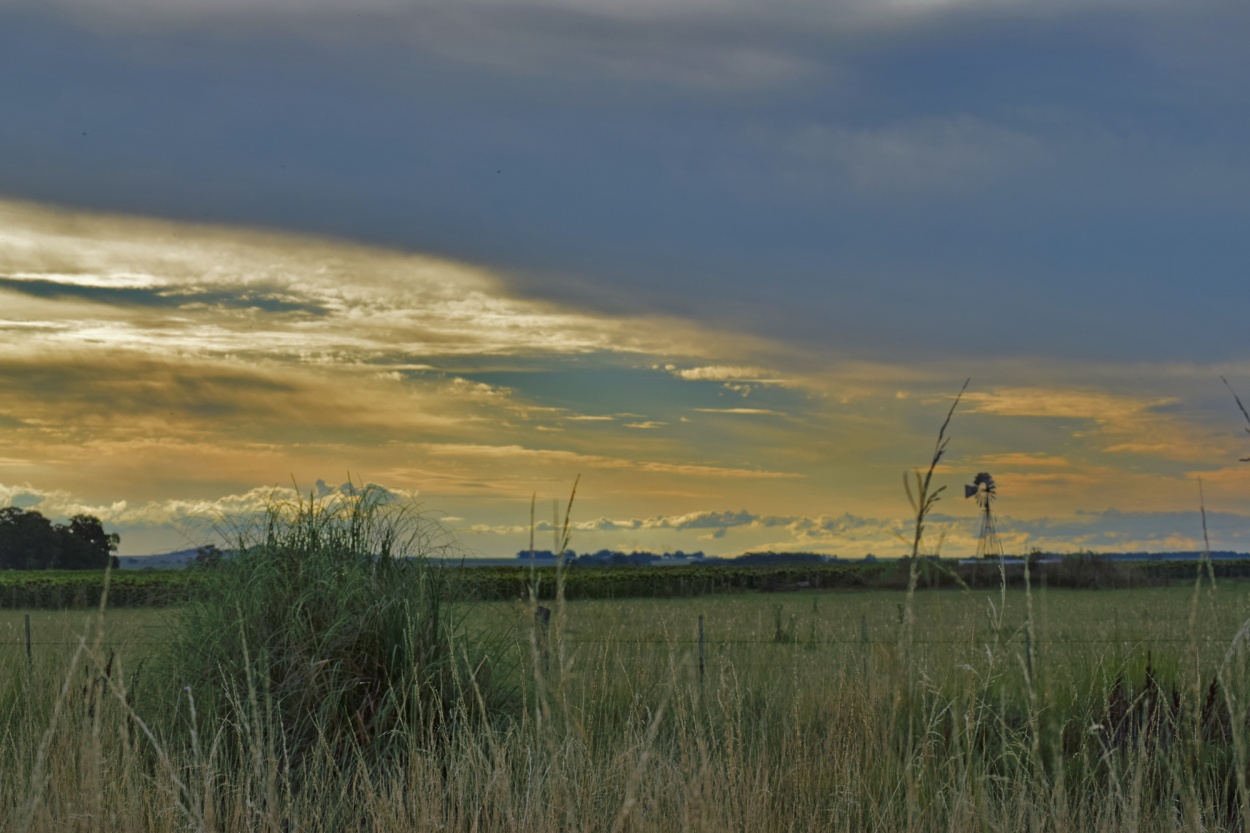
(726, 261)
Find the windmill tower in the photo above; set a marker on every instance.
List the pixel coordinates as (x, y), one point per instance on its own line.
(983, 489)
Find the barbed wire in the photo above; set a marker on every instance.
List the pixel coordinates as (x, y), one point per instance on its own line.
(795, 642)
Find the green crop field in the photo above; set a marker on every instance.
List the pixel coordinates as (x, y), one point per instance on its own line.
(81, 589)
(817, 710)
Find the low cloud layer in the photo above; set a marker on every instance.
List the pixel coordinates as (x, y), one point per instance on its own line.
(212, 520)
(853, 536)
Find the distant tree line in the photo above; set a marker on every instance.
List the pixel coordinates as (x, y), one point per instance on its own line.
(208, 557)
(613, 558)
(769, 559)
(610, 558)
(29, 541)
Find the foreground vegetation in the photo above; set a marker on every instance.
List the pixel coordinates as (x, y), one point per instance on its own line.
(337, 677)
(813, 711)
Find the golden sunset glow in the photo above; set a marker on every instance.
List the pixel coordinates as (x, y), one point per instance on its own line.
(165, 376)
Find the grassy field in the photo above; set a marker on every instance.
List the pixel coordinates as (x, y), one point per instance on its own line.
(814, 711)
(81, 589)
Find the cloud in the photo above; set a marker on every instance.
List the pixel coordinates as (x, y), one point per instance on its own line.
(1145, 425)
(91, 289)
(737, 531)
(953, 153)
(1114, 530)
(853, 14)
(52, 407)
(689, 521)
(681, 51)
(702, 520)
(740, 411)
(70, 389)
(724, 373)
(196, 520)
(746, 381)
(225, 511)
(1097, 405)
(364, 358)
(707, 46)
(1015, 460)
(1105, 531)
(514, 454)
(75, 279)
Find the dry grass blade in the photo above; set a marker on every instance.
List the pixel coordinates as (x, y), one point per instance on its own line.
(1244, 413)
(924, 499)
(568, 513)
(1206, 537)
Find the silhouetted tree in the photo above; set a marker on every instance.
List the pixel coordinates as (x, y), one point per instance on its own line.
(208, 556)
(88, 546)
(29, 541)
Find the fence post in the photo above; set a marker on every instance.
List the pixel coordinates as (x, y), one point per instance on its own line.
(29, 659)
(542, 625)
(863, 640)
(1028, 653)
(700, 649)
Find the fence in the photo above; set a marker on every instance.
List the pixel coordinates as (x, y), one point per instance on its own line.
(702, 649)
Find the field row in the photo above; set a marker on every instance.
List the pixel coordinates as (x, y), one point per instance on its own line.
(79, 589)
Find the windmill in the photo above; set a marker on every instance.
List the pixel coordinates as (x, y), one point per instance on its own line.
(983, 489)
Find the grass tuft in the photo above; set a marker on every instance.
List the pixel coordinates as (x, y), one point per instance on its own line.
(330, 635)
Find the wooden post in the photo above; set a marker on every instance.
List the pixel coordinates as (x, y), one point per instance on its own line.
(1028, 653)
(700, 649)
(863, 641)
(542, 624)
(30, 661)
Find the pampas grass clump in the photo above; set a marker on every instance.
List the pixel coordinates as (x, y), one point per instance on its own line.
(329, 631)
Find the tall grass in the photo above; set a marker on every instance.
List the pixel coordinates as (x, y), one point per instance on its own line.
(328, 683)
(328, 635)
(778, 736)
